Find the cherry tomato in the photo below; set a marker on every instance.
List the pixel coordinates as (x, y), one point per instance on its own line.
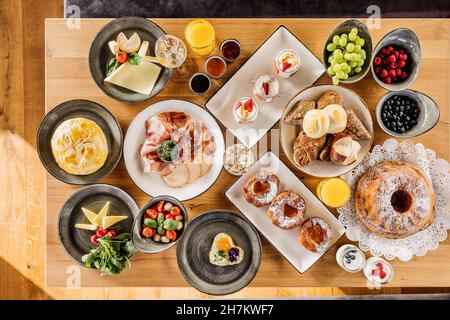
(171, 235)
(148, 232)
(175, 211)
(101, 232)
(112, 233)
(160, 206)
(122, 57)
(168, 216)
(152, 213)
(94, 238)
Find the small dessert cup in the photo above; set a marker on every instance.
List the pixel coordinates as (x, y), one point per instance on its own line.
(287, 63)
(245, 110)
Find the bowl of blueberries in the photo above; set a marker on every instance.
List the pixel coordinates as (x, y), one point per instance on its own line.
(406, 113)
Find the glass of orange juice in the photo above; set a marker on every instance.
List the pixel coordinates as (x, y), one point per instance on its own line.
(201, 37)
(333, 192)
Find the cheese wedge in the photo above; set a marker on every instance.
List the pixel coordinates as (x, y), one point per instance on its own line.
(103, 213)
(90, 215)
(139, 78)
(86, 226)
(111, 220)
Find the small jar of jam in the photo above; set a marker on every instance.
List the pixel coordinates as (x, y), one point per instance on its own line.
(215, 67)
(199, 83)
(230, 49)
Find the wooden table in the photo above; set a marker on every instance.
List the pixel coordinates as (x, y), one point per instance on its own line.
(68, 77)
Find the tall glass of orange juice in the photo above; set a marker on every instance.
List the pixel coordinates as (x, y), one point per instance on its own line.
(201, 37)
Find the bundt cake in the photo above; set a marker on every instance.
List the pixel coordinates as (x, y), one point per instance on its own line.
(395, 199)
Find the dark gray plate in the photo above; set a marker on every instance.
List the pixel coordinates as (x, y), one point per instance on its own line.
(99, 55)
(77, 242)
(193, 253)
(74, 109)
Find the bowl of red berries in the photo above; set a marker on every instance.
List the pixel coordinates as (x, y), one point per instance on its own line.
(396, 60)
(159, 224)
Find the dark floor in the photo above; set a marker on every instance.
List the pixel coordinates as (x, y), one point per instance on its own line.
(259, 8)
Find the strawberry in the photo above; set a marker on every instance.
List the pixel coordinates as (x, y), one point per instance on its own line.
(382, 274)
(286, 65)
(374, 272)
(379, 266)
(248, 105)
(265, 87)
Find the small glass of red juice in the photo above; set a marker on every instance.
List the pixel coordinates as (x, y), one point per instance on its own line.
(230, 49)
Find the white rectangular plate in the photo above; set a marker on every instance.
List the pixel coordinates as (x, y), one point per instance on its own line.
(286, 241)
(262, 63)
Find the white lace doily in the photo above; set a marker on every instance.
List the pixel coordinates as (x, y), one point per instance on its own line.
(417, 244)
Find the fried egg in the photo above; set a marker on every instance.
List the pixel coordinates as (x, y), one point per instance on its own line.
(79, 146)
(224, 252)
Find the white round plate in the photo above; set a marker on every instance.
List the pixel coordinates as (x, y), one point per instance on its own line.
(351, 100)
(152, 183)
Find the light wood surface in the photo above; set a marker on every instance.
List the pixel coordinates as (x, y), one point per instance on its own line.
(68, 78)
(22, 196)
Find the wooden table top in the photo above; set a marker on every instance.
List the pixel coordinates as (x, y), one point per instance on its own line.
(68, 77)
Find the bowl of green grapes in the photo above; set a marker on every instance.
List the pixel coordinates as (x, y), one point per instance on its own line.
(348, 52)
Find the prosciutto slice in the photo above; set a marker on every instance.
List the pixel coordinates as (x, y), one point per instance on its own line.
(192, 136)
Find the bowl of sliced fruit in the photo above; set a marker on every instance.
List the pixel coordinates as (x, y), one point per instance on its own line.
(159, 224)
(348, 52)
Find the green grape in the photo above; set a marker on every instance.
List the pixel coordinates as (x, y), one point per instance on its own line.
(331, 47)
(359, 41)
(336, 39)
(354, 30)
(331, 71)
(352, 36)
(356, 57)
(344, 76)
(339, 56)
(358, 69)
(350, 47)
(360, 63)
(352, 72)
(357, 48)
(335, 80)
(363, 54)
(340, 74)
(344, 65)
(337, 67)
(348, 69)
(347, 56)
(343, 42)
(353, 64)
(344, 36)
(330, 58)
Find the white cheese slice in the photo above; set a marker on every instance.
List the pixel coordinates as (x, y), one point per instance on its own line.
(111, 220)
(139, 78)
(103, 213)
(86, 226)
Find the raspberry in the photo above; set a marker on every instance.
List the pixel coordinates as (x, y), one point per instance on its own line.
(404, 75)
(377, 61)
(392, 58)
(377, 70)
(393, 65)
(403, 57)
(387, 80)
(396, 54)
(389, 50)
(384, 73)
(398, 72)
(392, 73)
(401, 64)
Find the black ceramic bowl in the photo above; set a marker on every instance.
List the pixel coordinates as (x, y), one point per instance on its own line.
(99, 55)
(79, 109)
(148, 245)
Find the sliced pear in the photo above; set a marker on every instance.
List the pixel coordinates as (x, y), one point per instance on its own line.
(103, 213)
(111, 220)
(113, 47)
(90, 215)
(178, 177)
(129, 45)
(86, 226)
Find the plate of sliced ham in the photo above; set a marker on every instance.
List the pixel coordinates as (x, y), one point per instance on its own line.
(175, 148)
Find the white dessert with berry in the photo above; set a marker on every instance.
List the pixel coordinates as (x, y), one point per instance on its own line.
(266, 88)
(287, 63)
(378, 270)
(245, 110)
(350, 258)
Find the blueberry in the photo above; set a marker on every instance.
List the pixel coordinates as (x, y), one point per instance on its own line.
(397, 103)
(348, 261)
(393, 124)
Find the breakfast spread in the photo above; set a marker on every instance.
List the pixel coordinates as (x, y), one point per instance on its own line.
(79, 146)
(378, 270)
(347, 55)
(328, 132)
(350, 258)
(316, 235)
(287, 63)
(266, 88)
(130, 68)
(400, 113)
(224, 252)
(245, 110)
(178, 147)
(237, 159)
(262, 188)
(163, 222)
(287, 210)
(395, 199)
(391, 64)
